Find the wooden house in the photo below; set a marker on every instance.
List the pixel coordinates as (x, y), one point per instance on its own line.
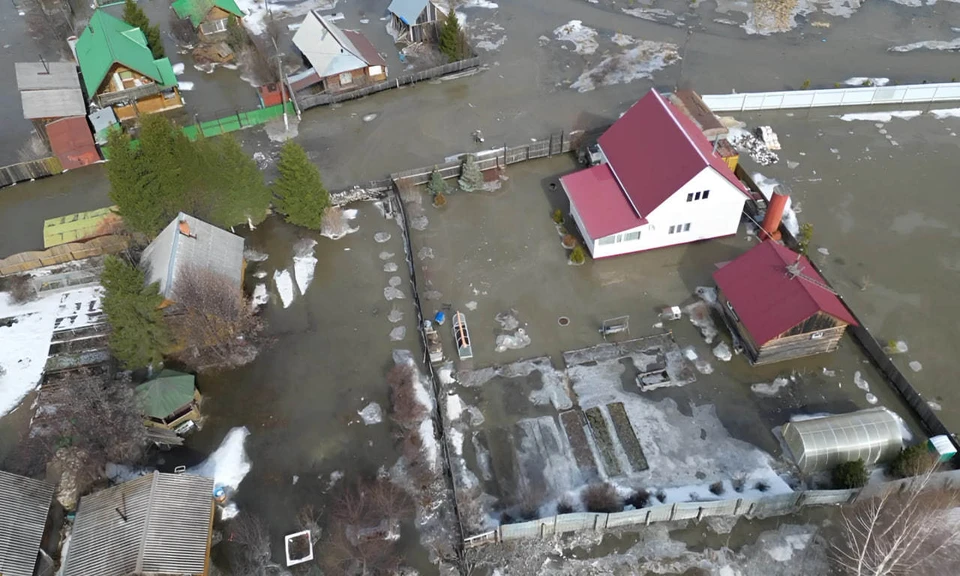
(119, 71)
(338, 60)
(416, 20)
(210, 18)
(779, 306)
(170, 401)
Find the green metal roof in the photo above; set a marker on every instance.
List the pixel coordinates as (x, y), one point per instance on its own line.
(165, 394)
(73, 227)
(106, 41)
(196, 10)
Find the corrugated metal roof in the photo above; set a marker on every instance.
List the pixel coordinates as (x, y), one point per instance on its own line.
(822, 443)
(654, 149)
(166, 529)
(165, 394)
(207, 247)
(53, 103)
(79, 226)
(407, 10)
(767, 299)
(24, 505)
(601, 204)
(327, 49)
(72, 142)
(365, 48)
(53, 76)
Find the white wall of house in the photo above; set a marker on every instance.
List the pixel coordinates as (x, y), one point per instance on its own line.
(678, 221)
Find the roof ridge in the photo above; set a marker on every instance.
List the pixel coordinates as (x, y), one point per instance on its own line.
(666, 106)
(146, 521)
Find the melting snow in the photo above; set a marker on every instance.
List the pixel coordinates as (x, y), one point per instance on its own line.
(722, 352)
(185, 85)
(454, 406)
(633, 64)
(371, 414)
(916, 366)
(260, 295)
(947, 113)
(284, 286)
(398, 333)
(257, 12)
(773, 389)
(860, 382)
(863, 81)
(228, 464)
(304, 263)
(178, 68)
(582, 37)
(928, 45)
(881, 116)
(381, 237)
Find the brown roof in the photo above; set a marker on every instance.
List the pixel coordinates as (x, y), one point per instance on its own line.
(690, 103)
(72, 142)
(367, 51)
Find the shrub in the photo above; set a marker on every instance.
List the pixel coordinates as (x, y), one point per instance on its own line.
(639, 499)
(569, 241)
(911, 462)
(694, 497)
(558, 216)
(602, 498)
(761, 486)
(578, 256)
(717, 488)
(806, 84)
(20, 288)
(850, 474)
(439, 200)
(407, 412)
(661, 496)
(837, 85)
(564, 506)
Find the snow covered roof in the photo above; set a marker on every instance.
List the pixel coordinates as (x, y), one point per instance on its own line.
(654, 149)
(189, 241)
(768, 299)
(24, 505)
(328, 49)
(156, 524)
(601, 204)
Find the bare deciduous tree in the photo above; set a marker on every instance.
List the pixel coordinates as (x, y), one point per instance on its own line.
(215, 325)
(249, 546)
(406, 410)
(910, 530)
(361, 533)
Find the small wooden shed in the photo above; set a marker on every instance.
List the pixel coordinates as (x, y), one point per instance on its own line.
(169, 400)
(779, 305)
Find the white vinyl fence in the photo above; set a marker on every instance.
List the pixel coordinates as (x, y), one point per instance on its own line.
(916, 93)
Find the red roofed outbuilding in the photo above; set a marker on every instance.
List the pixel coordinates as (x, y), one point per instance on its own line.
(661, 183)
(779, 305)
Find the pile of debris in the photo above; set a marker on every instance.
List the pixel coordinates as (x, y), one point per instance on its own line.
(747, 143)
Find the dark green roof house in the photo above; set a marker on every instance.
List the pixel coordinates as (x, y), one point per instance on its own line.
(210, 16)
(169, 400)
(119, 70)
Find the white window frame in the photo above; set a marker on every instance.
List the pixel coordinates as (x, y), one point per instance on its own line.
(214, 26)
(817, 335)
(346, 78)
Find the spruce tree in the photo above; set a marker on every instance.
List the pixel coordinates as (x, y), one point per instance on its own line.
(135, 16)
(299, 190)
(138, 335)
(239, 192)
(451, 37)
(471, 179)
(436, 184)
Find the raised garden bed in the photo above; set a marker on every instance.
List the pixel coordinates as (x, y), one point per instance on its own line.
(299, 548)
(578, 441)
(628, 439)
(601, 435)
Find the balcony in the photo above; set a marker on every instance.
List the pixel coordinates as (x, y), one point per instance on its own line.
(128, 95)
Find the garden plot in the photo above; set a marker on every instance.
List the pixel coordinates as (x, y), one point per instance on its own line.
(628, 438)
(572, 421)
(603, 441)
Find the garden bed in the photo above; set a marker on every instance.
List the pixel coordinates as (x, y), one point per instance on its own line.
(578, 441)
(601, 435)
(628, 438)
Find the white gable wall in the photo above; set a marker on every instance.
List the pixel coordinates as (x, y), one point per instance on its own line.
(717, 216)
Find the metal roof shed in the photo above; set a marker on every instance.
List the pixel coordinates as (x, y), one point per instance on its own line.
(821, 443)
(24, 505)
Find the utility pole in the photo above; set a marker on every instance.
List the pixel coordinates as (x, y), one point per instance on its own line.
(283, 92)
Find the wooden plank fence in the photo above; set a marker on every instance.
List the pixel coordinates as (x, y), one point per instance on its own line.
(311, 100)
(14, 173)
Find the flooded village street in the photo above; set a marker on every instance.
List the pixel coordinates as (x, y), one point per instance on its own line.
(877, 190)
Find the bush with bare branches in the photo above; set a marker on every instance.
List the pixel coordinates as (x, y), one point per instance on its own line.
(20, 288)
(363, 529)
(908, 529)
(213, 324)
(602, 498)
(249, 546)
(406, 410)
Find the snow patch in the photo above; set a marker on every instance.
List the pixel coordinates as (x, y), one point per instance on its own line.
(398, 333)
(390, 267)
(863, 81)
(946, 113)
(915, 366)
(256, 13)
(304, 263)
(178, 68)
(621, 39)
(185, 85)
(860, 382)
(880, 116)
(260, 295)
(381, 237)
(700, 315)
(928, 45)
(454, 406)
(634, 64)
(471, 305)
(371, 414)
(284, 284)
(582, 37)
(228, 465)
(722, 352)
(393, 293)
(771, 389)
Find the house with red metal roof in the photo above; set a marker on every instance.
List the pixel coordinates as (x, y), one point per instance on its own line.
(779, 306)
(660, 183)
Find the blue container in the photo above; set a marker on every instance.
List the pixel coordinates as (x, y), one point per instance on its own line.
(439, 318)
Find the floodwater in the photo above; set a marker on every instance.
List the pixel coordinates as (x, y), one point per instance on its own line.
(301, 396)
(880, 198)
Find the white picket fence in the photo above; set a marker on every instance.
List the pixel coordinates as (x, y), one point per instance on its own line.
(866, 96)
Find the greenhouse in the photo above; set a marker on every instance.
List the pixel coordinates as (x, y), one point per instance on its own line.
(821, 443)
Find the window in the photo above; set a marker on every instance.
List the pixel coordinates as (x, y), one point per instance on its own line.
(697, 196)
(693, 197)
(706, 193)
(690, 197)
(671, 229)
(214, 26)
(126, 75)
(631, 236)
(816, 335)
(686, 227)
(346, 78)
(376, 70)
(607, 240)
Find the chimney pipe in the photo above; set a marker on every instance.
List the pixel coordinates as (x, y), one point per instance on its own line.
(771, 222)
